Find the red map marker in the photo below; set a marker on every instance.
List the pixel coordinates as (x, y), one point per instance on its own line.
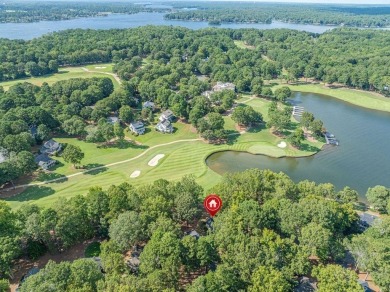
(212, 204)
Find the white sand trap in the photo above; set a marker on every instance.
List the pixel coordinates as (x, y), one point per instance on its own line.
(135, 174)
(155, 159)
(98, 67)
(282, 144)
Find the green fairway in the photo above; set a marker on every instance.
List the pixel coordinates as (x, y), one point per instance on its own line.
(243, 45)
(65, 74)
(361, 98)
(104, 67)
(183, 156)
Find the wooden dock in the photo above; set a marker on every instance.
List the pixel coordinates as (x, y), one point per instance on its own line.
(298, 111)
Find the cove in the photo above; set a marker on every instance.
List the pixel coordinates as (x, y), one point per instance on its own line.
(361, 161)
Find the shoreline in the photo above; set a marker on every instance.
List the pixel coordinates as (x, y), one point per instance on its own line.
(361, 98)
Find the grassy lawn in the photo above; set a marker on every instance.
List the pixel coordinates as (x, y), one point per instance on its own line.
(243, 45)
(105, 67)
(63, 74)
(181, 158)
(357, 97)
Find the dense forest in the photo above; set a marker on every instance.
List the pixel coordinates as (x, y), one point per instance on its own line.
(52, 10)
(353, 57)
(270, 232)
(356, 16)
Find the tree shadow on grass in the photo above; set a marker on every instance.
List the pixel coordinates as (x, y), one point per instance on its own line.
(32, 193)
(232, 137)
(47, 176)
(309, 148)
(256, 128)
(123, 145)
(95, 168)
(56, 166)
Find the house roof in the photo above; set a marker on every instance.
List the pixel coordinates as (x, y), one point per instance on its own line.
(42, 158)
(222, 86)
(112, 120)
(368, 218)
(194, 234)
(51, 144)
(148, 103)
(167, 113)
(137, 125)
(165, 123)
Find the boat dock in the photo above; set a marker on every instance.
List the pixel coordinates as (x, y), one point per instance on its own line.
(331, 139)
(298, 111)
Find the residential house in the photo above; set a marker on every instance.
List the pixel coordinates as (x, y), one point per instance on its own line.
(51, 147)
(149, 105)
(207, 93)
(366, 220)
(224, 86)
(164, 127)
(112, 120)
(194, 234)
(167, 115)
(44, 161)
(137, 128)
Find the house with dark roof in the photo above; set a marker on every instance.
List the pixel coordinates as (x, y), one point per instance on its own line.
(164, 127)
(51, 147)
(137, 127)
(44, 161)
(167, 115)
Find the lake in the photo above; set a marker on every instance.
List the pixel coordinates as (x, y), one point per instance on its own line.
(32, 30)
(361, 161)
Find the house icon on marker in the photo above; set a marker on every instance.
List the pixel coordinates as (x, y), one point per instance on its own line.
(213, 204)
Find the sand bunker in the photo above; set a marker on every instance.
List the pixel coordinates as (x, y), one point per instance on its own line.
(282, 144)
(155, 159)
(100, 67)
(135, 174)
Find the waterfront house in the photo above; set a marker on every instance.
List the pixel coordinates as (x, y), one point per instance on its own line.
(137, 127)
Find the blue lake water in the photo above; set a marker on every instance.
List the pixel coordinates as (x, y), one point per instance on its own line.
(29, 31)
(361, 161)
